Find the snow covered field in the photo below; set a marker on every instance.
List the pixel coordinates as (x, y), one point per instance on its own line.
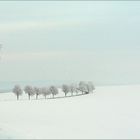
(111, 112)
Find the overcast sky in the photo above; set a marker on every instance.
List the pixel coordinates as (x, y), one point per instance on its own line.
(98, 41)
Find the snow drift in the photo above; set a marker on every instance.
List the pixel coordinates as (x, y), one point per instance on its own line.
(111, 112)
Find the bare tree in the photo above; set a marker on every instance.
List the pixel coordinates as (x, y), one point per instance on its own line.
(53, 90)
(29, 90)
(45, 91)
(37, 91)
(65, 89)
(17, 91)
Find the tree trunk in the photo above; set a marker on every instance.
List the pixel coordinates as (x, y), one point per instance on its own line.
(36, 96)
(29, 96)
(17, 97)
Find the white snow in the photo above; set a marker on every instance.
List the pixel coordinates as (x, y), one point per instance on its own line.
(112, 112)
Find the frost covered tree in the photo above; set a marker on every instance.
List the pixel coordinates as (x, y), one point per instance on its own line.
(86, 87)
(83, 87)
(90, 87)
(53, 90)
(65, 89)
(37, 91)
(29, 90)
(17, 91)
(73, 88)
(45, 91)
(76, 91)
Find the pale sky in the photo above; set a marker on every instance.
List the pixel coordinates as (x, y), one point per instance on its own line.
(96, 41)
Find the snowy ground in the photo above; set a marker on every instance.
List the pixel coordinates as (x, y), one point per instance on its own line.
(111, 112)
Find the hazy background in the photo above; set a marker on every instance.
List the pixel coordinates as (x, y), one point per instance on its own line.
(56, 42)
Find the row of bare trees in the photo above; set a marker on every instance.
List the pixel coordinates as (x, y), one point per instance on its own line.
(82, 88)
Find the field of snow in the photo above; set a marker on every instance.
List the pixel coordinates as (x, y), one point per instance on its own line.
(111, 112)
